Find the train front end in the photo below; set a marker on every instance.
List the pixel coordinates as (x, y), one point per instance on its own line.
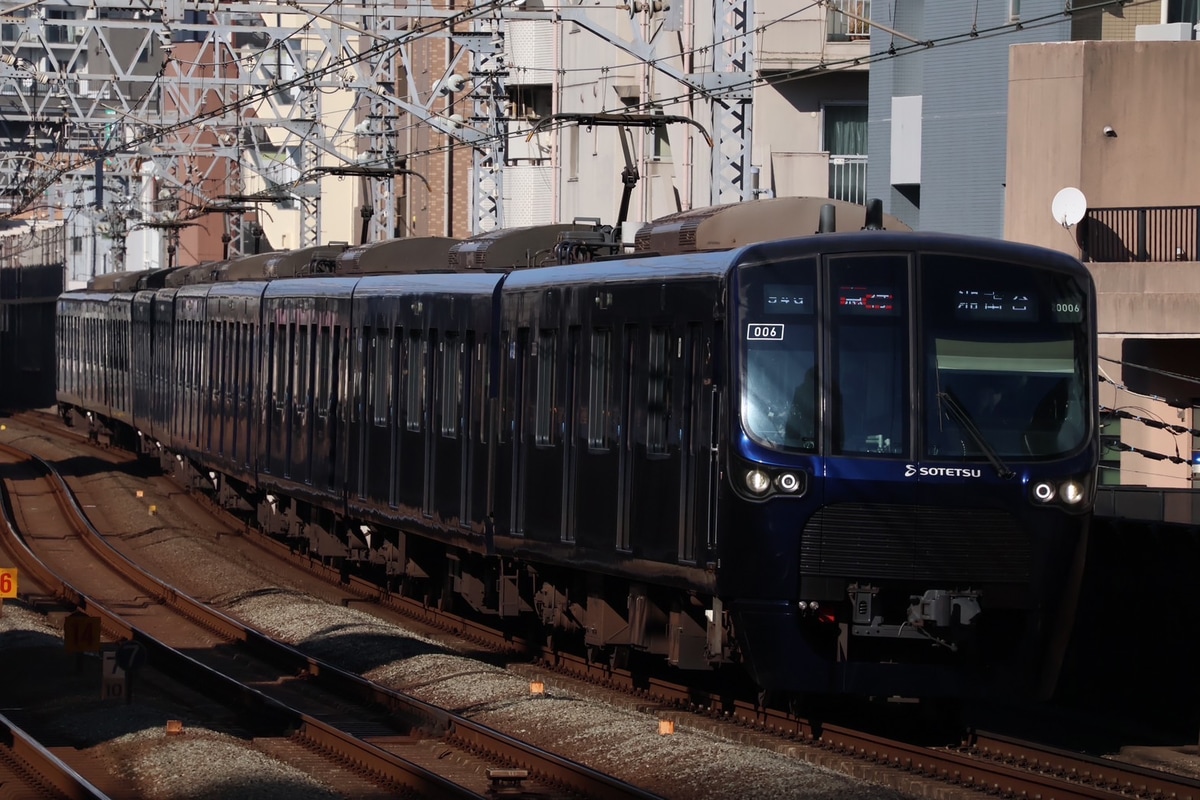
(910, 464)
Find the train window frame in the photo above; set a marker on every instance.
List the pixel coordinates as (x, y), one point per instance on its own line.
(658, 391)
(546, 353)
(381, 348)
(1011, 359)
(600, 380)
(451, 385)
(322, 372)
(870, 315)
(416, 352)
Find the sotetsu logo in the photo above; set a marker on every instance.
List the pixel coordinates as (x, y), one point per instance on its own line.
(941, 472)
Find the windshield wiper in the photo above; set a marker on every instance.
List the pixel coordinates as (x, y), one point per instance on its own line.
(964, 421)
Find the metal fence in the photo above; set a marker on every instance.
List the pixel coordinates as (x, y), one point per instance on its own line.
(841, 28)
(1166, 233)
(848, 178)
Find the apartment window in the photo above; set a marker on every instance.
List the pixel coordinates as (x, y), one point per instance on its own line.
(573, 153)
(1183, 11)
(841, 27)
(845, 137)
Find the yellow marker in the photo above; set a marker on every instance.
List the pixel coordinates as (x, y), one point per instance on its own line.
(140, 493)
(153, 509)
(666, 727)
(8, 582)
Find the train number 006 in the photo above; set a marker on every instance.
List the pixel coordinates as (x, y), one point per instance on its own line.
(757, 332)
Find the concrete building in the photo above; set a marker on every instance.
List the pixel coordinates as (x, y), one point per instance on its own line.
(939, 105)
(1116, 120)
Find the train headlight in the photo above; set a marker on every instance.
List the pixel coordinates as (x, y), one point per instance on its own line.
(757, 481)
(1071, 492)
(1044, 492)
(787, 482)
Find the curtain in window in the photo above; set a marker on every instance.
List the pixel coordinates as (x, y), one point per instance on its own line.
(846, 143)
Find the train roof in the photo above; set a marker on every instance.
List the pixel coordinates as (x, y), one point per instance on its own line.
(197, 273)
(244, 268)
(622, 270)
(336, 286)
(737, 224)
(318, 259)
(409, 254)
(427, 283)
(509, 248)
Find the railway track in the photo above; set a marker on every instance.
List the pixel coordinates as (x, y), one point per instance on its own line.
(279, 690)
(983, 764)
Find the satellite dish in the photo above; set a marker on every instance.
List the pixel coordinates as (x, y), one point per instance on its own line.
(1069, 206)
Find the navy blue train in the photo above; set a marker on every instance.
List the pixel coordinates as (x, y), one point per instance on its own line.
(859, 462)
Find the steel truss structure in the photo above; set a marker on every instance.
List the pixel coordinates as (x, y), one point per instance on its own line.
(207, 97)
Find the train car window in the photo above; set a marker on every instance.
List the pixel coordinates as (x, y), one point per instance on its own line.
(324, 371)
(600, 369)
(868, 400)
(546, 352)
(1006, 344)
(778, 324)
(303, 365)
(380, 379)
(658, 391)
(337, 383)
(414, 386)
(451, 388)
(275, 344)
(480, 386)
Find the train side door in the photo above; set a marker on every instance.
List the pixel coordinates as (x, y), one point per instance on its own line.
(448, 435)
(430, 420)
(540, 473)
(570, 448)
(281, 393)
(375, 439)
(598, 460)
(300, 440)
(698, 463)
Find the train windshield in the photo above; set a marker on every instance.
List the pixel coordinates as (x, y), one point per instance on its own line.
(777, 308)
(1005, 348)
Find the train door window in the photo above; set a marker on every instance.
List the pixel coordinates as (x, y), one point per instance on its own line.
(414, 385)
(545, 351)
(480, 385)
(868, 298)
(381, 353)
(336, 383)
(324, 372)
(599, 388)
(451, 388)
(279, 343)
(361, 357)
(303, 365)
(658, 391)
(249, 366)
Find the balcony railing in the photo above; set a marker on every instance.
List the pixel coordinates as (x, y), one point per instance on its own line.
(1166, 233)
(848, 178)
(841, 28)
